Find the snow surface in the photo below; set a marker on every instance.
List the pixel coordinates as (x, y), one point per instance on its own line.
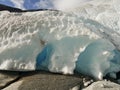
(84, 39)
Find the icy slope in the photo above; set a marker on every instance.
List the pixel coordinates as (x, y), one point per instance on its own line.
(86, 41)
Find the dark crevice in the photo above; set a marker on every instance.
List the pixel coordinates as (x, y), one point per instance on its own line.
(115, 80)
(19, 75)
(118, 75)
(11, 82)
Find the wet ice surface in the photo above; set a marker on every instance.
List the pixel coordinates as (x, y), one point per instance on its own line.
(85, 39)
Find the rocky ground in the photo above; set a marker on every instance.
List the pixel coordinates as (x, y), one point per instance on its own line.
(41, 80)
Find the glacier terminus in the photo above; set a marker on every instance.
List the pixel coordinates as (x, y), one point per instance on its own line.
(85, 39)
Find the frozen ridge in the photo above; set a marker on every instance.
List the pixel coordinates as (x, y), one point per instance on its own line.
(82, 40)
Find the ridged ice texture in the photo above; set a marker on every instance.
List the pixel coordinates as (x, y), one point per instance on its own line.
(84, 39)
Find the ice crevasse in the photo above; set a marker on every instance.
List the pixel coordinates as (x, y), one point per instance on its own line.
(85, 39)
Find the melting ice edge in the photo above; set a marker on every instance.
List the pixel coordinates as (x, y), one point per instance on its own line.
(82, 40)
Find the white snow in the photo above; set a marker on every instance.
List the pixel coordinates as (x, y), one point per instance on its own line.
(85, 39)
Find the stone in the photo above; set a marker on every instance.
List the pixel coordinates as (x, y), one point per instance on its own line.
(14, 86)
(7, 78)
(47, 81)
(103, 85)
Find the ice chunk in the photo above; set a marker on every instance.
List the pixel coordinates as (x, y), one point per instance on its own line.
(94, 61)
(61, 55)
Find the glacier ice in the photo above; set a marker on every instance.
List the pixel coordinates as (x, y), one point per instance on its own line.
(84, 39)
(99, 56)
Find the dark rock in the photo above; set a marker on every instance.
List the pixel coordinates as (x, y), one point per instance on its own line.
(46, 81)
(8, 8)
(12, 9)
(40, 80)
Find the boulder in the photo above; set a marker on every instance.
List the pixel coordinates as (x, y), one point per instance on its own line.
(47, 81)
(7, 78)
(103, 85)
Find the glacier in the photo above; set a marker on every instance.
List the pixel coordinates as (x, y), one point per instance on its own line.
(85, 39)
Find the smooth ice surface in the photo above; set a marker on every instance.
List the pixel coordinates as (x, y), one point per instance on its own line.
(84, 39)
